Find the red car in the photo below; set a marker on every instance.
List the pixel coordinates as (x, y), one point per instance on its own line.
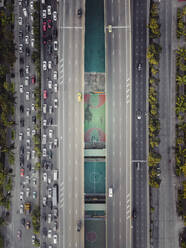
(33, 79)
(44, 26)
(22, 172)
(49, 23)
(45, 94)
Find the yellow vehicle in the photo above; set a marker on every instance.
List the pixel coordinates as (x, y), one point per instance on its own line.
(110, 28)
(79, 96)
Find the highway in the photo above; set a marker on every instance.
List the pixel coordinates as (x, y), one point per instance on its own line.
(71, 123)
(139, 131)
(118, 118)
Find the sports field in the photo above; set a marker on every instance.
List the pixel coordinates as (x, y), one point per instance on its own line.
(94, 118)
(95, 177)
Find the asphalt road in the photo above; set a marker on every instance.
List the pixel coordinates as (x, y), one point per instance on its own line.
(71, 123)
(139, 151)
(118, 118)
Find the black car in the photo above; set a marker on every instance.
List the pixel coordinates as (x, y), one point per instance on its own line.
(55, 60)
(22, 122)
(79, 12)
(29, 166)
(23, 221)
(34, 119)
(44, 231)
(27, 28)
(21, 108)
(22, 150)
(50, 121)
(21, 71)
(134, 214)
(55, 33)
(44, 216)
(21, 34)
(49, 204)
(49, 48)
(21, 60)
(79, 226)
(27, 51)
(50, 165)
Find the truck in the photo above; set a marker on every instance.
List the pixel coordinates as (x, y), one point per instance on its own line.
(27, 207)
(55, 195)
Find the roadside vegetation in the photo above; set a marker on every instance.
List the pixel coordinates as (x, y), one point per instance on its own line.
(36, 220)
(181, 25)
(153, 56)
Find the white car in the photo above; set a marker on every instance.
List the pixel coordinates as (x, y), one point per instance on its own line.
(26, 81)
(27, 69)
(20, 48)
(55, 75)
(55, 16)
(44, 152)
(50, 109)
(44, 14)
(55, 45)
(27, 192)
(44, 123)
(31, 17)
(49, 192)
(50, 65)
(33, 154)
(49, 10)
(44, 139)
(28, 131)
(50, 133)
(31, 5)
(20, 2)
(27, 96)
(27, 144)
(33, 238)
(32, 31)
(21, 209)
(21, 88)
(33, 107)
(55, 88)
(25, 12)
(44, 65)
(49, 218)
(55, 103)
(55, 239)
(21, 196)
(49, 180)
(32, 42)
(50, 145)
(56, 142)
(20, 136)
(27, 111)
(28, 155)
(49, 234)
(50, 84)
(26, 40)
(33, 132)
(45, 177)
(20, 21)
(44, 201)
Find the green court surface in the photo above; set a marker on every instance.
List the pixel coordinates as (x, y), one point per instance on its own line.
(94, 36)
(95, 177)
(95, 233)
(94, 118)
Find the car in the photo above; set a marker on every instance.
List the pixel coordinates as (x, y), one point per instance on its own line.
(27, 225)
(55, 45)
(33, 132)
(55, 60)
(22, 122)
(33, 239)
(55, 213)
(32, 42)
(20, 2)
(19, 234)
(29, 166)
(50, 109)
(44, 177)
(31, 4)
(20, 34)
(27, 192)
(138, 115)
(44, 14)
(49, 49)
(44, 201)
(27, 144)
(33, 154)
(49, 180)
(79, 12)
(27, 28)
(45, 229)
(44, 26)
(55, 16)
(50, 121)
(45, 94)
(34, 119)
(55, 33)
(134, 213)
(33, 94)
(26, 81)
(20, 136)
(50, 65)
(50, 133)
(28, 155)
(55, 88)
(31, 17)
(49, 12)
(55, 226)
(49, 218)
(23, 221)
(20, 21)
(32, 30)
(27, 69)
(44, 152)
(21, 71)
(55, 239)
(28, 131)
(50, 84)
(33, 79)
(139, 67)
(110, 28)
(21, 108)
(33, 107)
(21, 196)
(79, 96)
(79, 226)
(26, 40)
(22, 172)
(49, 24)
(34, 195)
(44, 139)
(55, 142)
(44, 108)
(50, 146)
(25, 12)
(27, 111)
(34, 180)
(50, 154)
(49, 234)
(55, 75)
(27, 51)
(44, 65)
(110, 192)
(49, 192)
(20, 48)
(55, 103)
(27, 95)
(21, 88)
(44, 123)
(21, 209)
